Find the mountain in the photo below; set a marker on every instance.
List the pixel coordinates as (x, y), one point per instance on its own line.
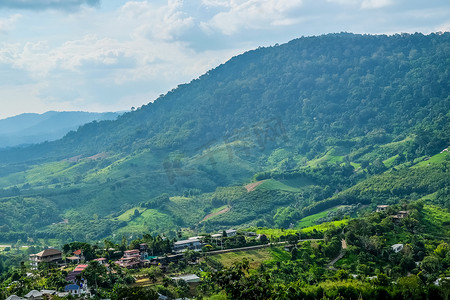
(32, 128)
(305, 123)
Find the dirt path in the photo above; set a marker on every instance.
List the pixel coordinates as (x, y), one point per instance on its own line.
(225, 210)
(341, 255)
(252, 186)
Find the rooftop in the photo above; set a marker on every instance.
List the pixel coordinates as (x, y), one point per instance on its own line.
(187, 242)
(48, 252)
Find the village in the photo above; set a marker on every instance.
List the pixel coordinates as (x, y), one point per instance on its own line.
(139, 255)
(78, 287)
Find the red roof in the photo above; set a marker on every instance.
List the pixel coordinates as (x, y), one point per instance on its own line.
(100, 259)
(132, 251)
(78, 252)
(80, 268)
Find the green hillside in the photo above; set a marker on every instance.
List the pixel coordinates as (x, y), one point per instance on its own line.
(331, 120)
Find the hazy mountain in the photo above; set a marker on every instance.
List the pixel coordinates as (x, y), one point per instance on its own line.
(32, 128)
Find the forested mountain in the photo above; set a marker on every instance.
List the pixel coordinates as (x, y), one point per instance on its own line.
(313, 118)
(37, 128)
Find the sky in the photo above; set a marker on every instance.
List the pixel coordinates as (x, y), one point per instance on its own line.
(111, 55)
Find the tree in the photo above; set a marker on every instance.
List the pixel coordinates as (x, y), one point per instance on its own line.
(263, 239)
(381, 280)
(239, 284)
(411, 287)
(95, 274)
(123, 292)
(430, 264)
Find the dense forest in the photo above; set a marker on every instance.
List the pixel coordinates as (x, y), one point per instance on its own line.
(338, 119)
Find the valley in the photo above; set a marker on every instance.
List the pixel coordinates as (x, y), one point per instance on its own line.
(305, 138)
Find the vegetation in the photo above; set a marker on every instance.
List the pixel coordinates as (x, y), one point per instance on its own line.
(301, 140)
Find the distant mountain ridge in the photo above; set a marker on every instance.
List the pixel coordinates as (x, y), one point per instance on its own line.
(32, 128)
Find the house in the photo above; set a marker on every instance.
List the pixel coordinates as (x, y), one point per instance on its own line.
(403, 213)
(48, 292)
(75, 289)
(143, 247)
(400, 215)
(382, 207)
(14, 297)
(189, 278)
(76, 258)
(72, 277)
(73, 260)
(191, 244)
(397, 247)
(101, 260)
(131, 253)
(131, 259)
(230, 232)
(34, 295)
(216, 236)
(48, 256)
(167, 259)
(143, 250)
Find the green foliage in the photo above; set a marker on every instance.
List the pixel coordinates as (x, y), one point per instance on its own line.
(330, 115)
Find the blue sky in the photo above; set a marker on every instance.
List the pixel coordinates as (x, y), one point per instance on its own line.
(110, 55)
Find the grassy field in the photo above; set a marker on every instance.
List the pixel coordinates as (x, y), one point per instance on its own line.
(275, 232)
(215, 210)
(289, 185)
(272, 184)
(255, 257)
(390, 161)
(435, 159)
(149, 221)
(325, 226)
(311, 220)
(334, 155)
(129, 214)
(436, 220)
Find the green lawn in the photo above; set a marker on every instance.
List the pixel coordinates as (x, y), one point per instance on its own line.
(272, 184)
(150, 220)
(435, 159)
(255, 257)
(128, 215)
(325, 226)
(275, 232)
(311, 220)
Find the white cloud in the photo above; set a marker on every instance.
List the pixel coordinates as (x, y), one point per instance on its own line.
(126, 53)
(364, 4)
(164, 22)
(7, 24)
(373, 4)
(443, 27)
(250, 14)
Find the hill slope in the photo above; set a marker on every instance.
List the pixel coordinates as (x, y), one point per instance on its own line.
(334, 109)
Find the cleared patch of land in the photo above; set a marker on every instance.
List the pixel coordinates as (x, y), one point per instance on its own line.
(311, 220)
(213, 214)
(255, 257)
(252, 186)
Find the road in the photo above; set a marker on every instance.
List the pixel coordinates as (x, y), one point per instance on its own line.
(254, 247)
